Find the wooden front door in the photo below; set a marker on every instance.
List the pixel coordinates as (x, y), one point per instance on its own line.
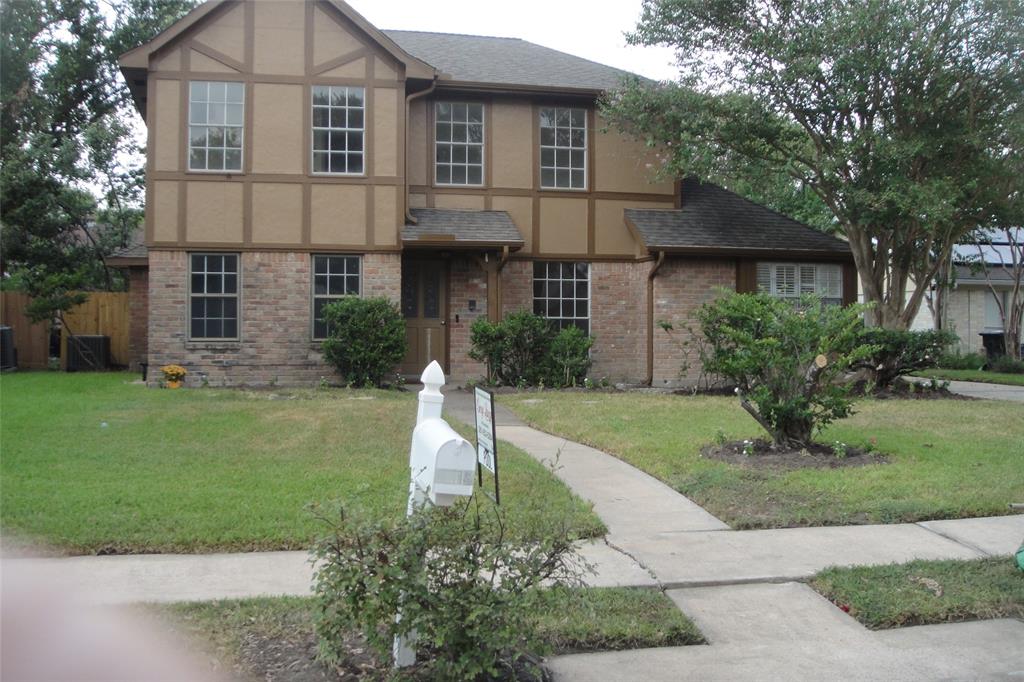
(425, 309)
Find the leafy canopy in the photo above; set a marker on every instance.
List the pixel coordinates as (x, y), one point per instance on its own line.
(903, 117)
(71, 174)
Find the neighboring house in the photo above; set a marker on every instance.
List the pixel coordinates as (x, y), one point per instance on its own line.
(972, 311)
(297, 154)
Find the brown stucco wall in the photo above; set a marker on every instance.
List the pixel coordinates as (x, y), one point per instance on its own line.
(275, 328)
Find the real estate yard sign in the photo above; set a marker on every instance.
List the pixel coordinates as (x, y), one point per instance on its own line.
(486, 443)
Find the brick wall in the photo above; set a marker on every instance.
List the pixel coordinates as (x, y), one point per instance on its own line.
(275, 309)
(517, 286)
(618, 308)
(681, 286)
(138, 316)
(468, 282)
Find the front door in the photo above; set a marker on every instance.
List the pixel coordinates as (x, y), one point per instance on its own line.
(425, 309)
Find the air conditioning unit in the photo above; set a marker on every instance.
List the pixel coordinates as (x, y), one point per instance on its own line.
(88, 353)
(8, 354)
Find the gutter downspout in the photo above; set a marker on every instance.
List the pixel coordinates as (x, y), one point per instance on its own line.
(405, 169)
(650, 317)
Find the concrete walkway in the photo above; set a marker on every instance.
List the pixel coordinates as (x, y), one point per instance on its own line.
(977, 389)
(737, 585)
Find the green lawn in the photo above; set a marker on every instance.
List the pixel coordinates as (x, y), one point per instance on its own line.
(922, 592)
(592, 619)
(92, 462)
(948, 458)
(975, 375)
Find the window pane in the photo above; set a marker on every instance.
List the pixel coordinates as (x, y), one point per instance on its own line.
(234, 92)
(233, 114)
(197, 112)
(476, 113)
(321, 94)
(458, 175)
(444, 175)
(474, 155)
(474, 175)
(355, 142)
(444, 111)
(355, 163)
(215, 159)
(476, 134)
(230, 329)
(197, 159)
(547, 177)
(214, 328)
(355, 118)
(321, 117)
(355, 97)
(197, 91)
(320, 162)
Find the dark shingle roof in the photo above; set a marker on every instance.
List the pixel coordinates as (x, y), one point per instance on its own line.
(968, 274)
(439, 226)
(135, 249)
(714, 219)
(506, 61)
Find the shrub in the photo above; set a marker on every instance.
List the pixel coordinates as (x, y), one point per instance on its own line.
(366, 338)
(568, 358)
(958, 361)
(470, 603)
(899, 353)
(1006, 365)
(514, 349)
(784, 360)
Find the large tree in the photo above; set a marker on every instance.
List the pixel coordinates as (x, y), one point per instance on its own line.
(902, 116)
(71, 174)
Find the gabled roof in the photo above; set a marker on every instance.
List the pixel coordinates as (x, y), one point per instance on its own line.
(712, 219)
(455, 228)
(135, 62)
(506, 61)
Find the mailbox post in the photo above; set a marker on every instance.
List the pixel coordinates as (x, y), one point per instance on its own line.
(442, 466)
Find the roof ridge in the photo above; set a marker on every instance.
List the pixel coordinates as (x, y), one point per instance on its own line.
(768, 208)
(464, 35)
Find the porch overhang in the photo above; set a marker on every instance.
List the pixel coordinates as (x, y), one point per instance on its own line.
(461, 230)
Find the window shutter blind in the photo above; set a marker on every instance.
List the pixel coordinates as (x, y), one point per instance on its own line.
(764, 278)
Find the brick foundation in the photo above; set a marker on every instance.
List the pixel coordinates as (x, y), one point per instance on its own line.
(138, 317)
(275, 324)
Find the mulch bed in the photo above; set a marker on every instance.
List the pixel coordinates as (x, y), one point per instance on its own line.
(900, 390)
(767, 456)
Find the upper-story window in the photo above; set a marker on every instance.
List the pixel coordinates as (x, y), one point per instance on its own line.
(793, 280)
(215, 115)
(459, 143)
(339, 124)
(563, 148)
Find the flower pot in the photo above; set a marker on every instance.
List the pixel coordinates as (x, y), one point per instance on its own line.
(173, 384)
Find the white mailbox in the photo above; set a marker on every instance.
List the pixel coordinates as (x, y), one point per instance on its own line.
(443, 463)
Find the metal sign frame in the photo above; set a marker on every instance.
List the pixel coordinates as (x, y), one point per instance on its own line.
(484, 400)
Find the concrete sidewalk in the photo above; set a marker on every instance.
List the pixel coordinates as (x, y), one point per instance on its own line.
(978, 389)
(788, 631)
(131, 578)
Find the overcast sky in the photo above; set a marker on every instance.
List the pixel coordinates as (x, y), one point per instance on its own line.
(593, 30)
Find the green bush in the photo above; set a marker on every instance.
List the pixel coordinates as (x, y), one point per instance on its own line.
(958, 361)
(366, 339)
(524, 349)
(899, 353)
(467, 590)
(772, 351)
(1006, 365)
(568, 358)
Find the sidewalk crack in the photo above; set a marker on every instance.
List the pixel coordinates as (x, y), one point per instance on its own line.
(962, 543)
(632, 557)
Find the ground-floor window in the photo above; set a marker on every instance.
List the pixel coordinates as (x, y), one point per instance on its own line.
(333, 277)
(213, 296)
(793, 280)
(561, 293)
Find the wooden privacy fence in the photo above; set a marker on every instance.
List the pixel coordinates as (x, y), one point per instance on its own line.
(31, 340)
(104, 313)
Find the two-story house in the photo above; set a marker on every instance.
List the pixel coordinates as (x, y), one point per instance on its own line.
(297, 154)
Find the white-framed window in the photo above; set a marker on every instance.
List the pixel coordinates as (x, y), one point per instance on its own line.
(793, 280)
(563, 148)
(334, 276)
(339, 126)
(215, 125)
(993, 320)
(213, 296)
(458, 143)
(561, 293)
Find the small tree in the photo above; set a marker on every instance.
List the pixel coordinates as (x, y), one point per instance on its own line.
(785, 360)
(366, 338)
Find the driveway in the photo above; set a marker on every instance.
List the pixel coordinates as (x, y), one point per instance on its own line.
(976, 389)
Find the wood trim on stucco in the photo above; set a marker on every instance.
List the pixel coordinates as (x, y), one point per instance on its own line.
(217, 55)
(344, 59)
(534, 191)
(591, 140)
